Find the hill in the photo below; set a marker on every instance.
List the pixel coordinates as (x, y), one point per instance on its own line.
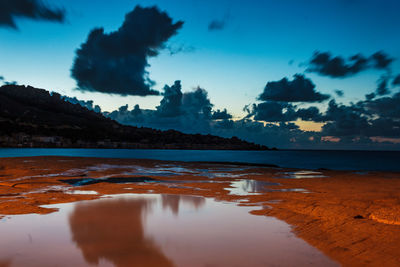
(31, 117)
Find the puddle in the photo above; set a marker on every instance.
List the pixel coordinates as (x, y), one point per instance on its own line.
(153, 173)
(153, 230)
(177, 169)
(247, 187)
(112, 180)
(160, 170)
(212, 175)
(82, 192)
(301, 175)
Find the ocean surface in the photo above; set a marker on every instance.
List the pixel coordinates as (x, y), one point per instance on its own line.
(304, 159)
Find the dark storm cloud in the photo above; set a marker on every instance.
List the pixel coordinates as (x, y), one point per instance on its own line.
(11, 10)
(352, 124)
(197, 102)
(216, 25)
(189, 112)
(339, 93)
(271, 111)
(310, 114)
(325, 64)
(175, 103)
(381, 60)
(116, 62)
(382, 88)
(378, 117)
(170, 105)
(221, 115)
(396, 81)
(344, 121)
(300, 89)
(385, 107)
(271, 123)
(274, 112)
(370, 96)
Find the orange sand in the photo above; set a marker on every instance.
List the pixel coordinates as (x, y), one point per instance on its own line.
(353, 218)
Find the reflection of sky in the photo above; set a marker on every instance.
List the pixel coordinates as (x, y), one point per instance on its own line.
(248, 187)
(301, 175)
(233, 65)
(147, 230)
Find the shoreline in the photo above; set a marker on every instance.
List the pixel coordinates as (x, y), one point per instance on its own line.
(344, 214)
(311, 160)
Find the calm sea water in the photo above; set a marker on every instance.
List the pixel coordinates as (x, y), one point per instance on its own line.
(334, 160)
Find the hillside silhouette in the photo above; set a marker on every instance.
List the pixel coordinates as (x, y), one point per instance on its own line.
(31, 117)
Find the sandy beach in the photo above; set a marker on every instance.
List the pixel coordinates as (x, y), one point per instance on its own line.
(352, 217)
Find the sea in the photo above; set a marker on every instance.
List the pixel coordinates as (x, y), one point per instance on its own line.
(301, 159)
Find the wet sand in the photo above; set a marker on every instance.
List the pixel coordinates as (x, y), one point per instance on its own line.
(352, 217)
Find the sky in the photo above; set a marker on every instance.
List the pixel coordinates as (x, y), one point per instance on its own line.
(265, 62)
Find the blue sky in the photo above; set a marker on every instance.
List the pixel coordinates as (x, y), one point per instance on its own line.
(262, 41)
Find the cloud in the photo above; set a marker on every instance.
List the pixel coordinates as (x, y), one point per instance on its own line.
(370, 96)
(87, 104)
(325, 64)
(221, 115)
(339, 93)
(385, 107)
(197, 103)
(378, 117)
(382, 88)
(344, 121)
(366, 124)
(115, 62)
(189, 112)
(171, 104)
(396, 81)
(274, 112)
(310, 114)
(181, 48)
(11, 10)
(271, 111)
(175, 103)
(381, 60)
(300, 89)
(216, 25)
(219, 24)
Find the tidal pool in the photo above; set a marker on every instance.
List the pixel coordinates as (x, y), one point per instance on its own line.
(152, 230)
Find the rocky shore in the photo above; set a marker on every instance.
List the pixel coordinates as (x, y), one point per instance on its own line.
(352, 217)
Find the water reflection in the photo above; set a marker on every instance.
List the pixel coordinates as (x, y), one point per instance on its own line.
(5, 263)
(172, 202)
(113, 230)
(143, 230)
(301, 175)
(247, 187)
